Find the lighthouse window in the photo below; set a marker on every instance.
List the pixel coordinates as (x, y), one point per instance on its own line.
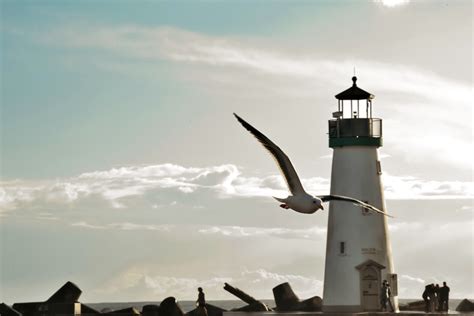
(379, 167)
(342, 248)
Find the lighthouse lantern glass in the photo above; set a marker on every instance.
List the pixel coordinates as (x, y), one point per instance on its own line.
(353, 109)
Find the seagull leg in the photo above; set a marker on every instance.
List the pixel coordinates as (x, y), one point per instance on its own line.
(284, 206)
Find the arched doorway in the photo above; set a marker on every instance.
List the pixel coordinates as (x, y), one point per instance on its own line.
(370, 283)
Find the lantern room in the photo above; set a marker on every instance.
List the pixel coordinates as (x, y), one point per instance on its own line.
(352, 123)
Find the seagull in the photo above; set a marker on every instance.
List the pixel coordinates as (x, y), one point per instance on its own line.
(299, 201)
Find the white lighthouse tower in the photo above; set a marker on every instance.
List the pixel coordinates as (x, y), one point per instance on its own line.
(358, 251)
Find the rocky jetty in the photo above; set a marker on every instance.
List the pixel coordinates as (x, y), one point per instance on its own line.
(65, 302)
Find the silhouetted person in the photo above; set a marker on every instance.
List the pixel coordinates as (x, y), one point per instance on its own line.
(385, 294)
(426, 297)
(436, 301)
(429, 297)
(432, 297)
(391, 309)
(201, 303)
(444, 298)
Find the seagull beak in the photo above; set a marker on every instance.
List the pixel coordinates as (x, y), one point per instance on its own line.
(322, 207)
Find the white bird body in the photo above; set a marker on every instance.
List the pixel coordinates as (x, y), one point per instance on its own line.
(299, 201)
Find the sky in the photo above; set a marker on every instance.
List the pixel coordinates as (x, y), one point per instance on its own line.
(124, 171)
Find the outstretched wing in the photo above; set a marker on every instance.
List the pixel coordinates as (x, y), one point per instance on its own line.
(326, 198)
(282, 159)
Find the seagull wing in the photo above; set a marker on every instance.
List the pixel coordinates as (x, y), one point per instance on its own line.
(326, 198)
(282, 159)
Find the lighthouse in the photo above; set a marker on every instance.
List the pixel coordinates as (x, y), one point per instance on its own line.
(358, 251)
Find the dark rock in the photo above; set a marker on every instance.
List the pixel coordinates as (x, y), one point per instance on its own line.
(27, 309)
(6, 310)
(46, 308)
(465, 306)
(125, 311)
(150, 310)
(211, 311)
(68, 293)
(85, 309)
(169, 307)
(286, 300)
(313, 304)
(54, 309)
(106, 310)
(413, 306)
(63, 301)
(239, 293)
(255, 307)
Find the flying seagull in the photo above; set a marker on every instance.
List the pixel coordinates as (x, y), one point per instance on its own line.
(299, 201)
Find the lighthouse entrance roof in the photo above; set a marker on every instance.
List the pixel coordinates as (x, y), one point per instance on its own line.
(354, 93)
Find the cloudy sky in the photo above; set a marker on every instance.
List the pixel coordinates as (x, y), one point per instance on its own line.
(124, 171)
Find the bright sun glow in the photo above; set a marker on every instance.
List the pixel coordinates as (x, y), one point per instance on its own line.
(392, 3)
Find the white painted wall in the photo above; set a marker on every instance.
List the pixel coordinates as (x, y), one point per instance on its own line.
(354, 174)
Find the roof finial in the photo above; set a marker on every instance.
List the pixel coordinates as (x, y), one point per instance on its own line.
(354, 79)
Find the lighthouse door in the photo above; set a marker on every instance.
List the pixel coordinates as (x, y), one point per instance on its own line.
(370, 288)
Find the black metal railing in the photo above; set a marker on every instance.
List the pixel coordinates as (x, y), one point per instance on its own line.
(355, 127)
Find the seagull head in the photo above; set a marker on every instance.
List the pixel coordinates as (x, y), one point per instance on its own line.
(317, 204)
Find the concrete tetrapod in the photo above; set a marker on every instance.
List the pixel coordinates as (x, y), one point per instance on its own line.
(254, 305)
(169, 307)
(6, 310)
(211, 311)
(465, 306)
(287, 300)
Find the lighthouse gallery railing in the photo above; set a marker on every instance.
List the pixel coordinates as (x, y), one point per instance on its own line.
(355, 127)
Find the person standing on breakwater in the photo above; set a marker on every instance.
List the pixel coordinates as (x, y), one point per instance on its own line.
(384, 295)
(436, 302)
(443, 298)
(429, 296)
(201, 303)
(426, 297)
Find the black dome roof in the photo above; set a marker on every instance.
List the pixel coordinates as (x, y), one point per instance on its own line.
(354, 93)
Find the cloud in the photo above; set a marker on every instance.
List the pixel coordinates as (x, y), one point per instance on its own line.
(414, 279)
(227, 231)
(405, 227)
(151, 284)
(468, 208)
(305, 287)
(410, 286)
(287, 233)
(123, 226)
(84, 224)
(410, 187)
(126, 186)
(185, 46)
(405, 89)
